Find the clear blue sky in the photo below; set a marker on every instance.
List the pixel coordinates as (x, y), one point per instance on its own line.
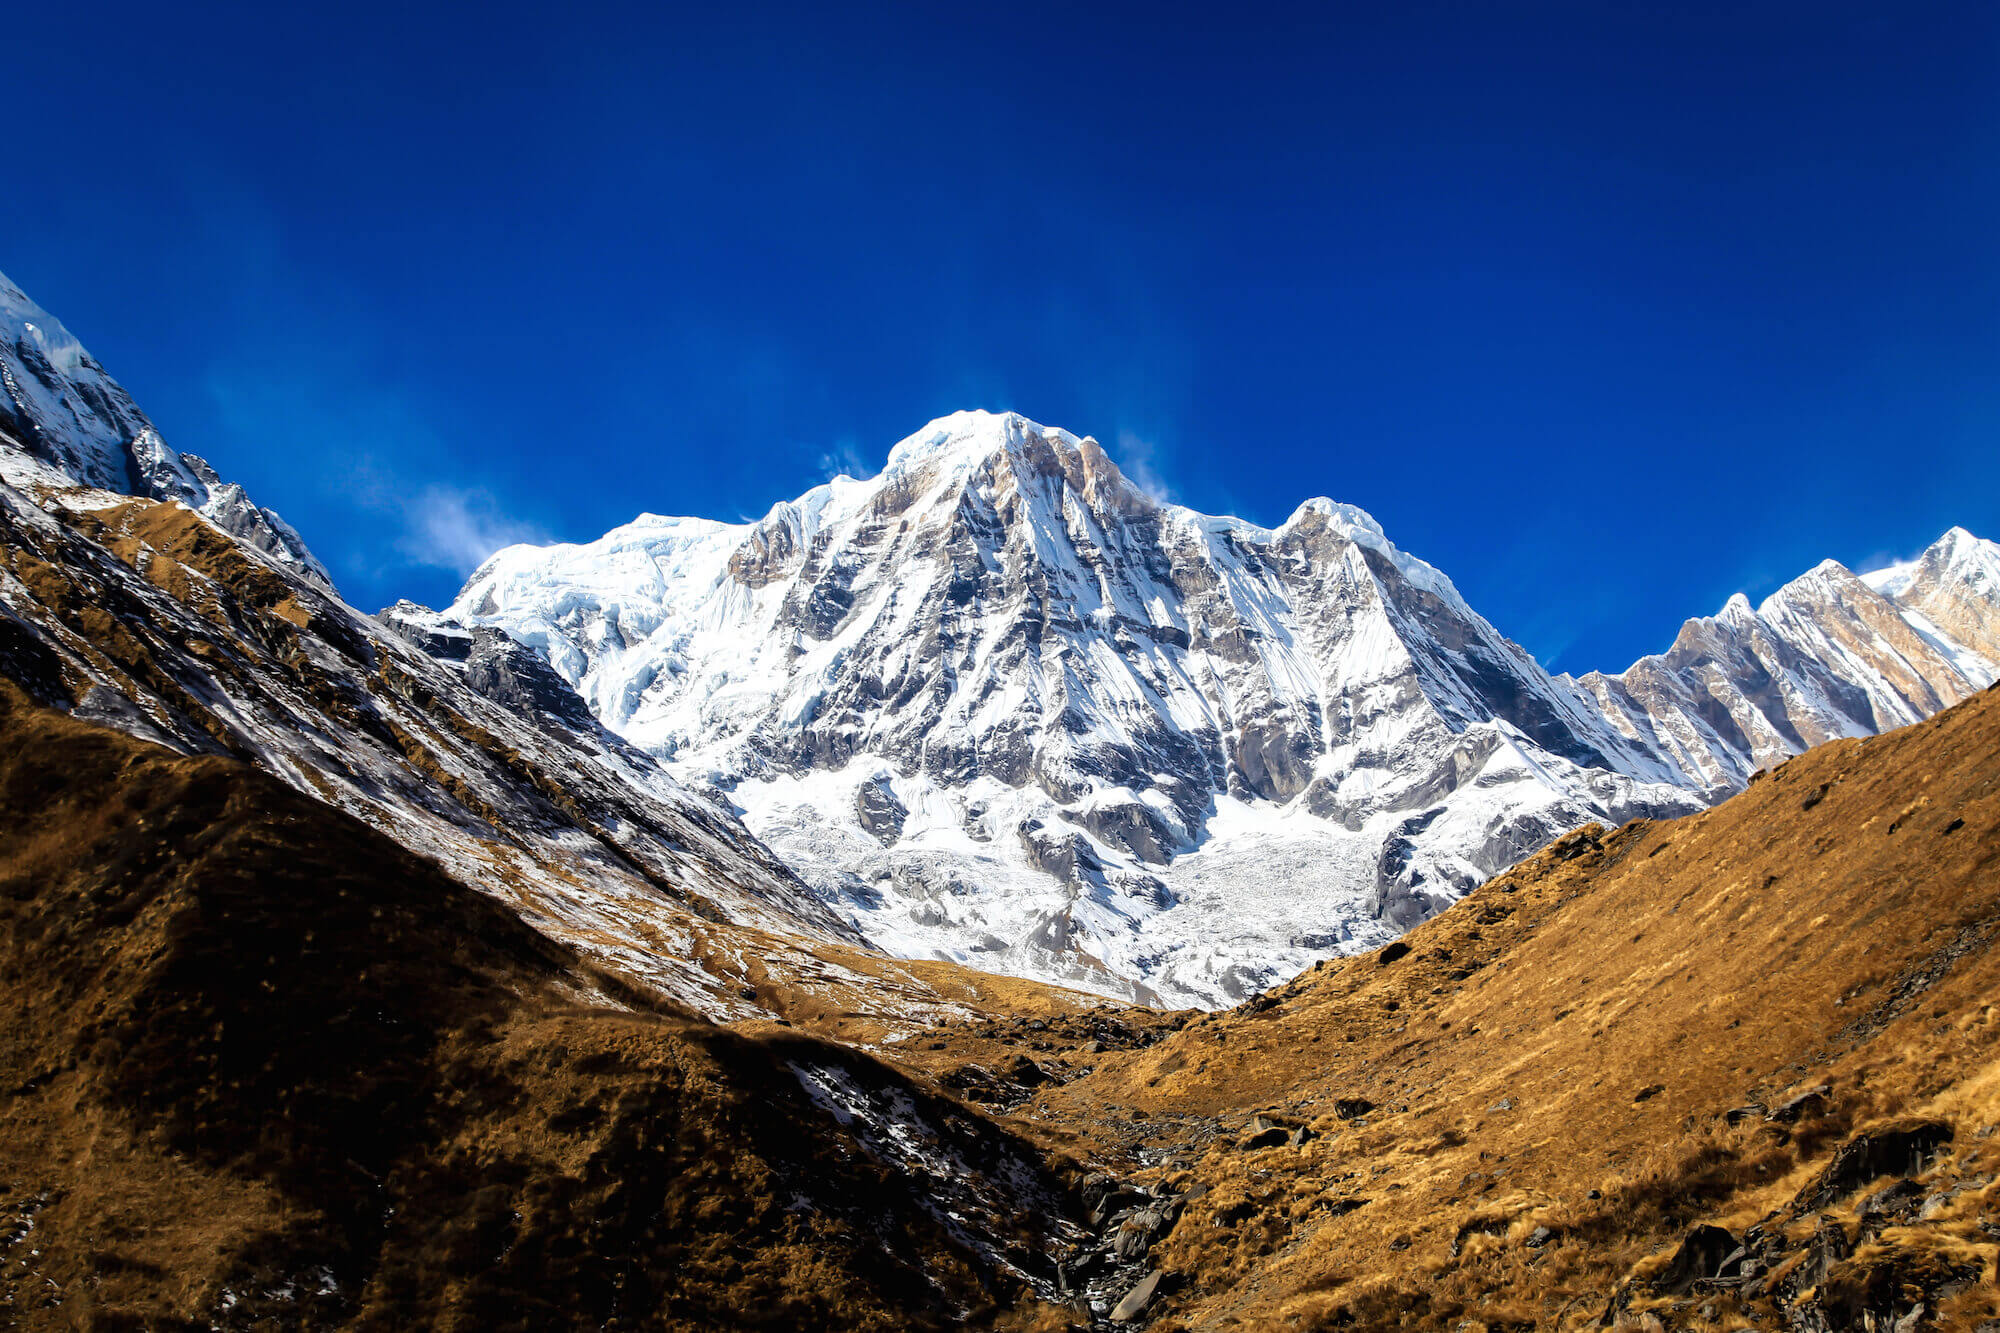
(1610, 310)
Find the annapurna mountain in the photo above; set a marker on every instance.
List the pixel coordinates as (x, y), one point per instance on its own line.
(998, 705)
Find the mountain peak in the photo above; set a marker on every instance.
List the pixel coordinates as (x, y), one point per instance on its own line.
(974, 433)
(22, 318)
(1352, 520)
(1959, 548)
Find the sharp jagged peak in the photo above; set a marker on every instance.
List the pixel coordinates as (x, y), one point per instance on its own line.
(1959, 549)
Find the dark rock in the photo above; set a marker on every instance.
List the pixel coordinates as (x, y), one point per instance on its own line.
(1738, 1114)
(1124, 1199)
(1300, 1137)
(1348, 1108)
(1096, 1187)
(1897, 1149)
(1890, 1292)
(879, 810)
(1273, 1137)
(1808, 1105)
(1137, 1233)
(1391, 952)
(1827, 1247)
(1898, 1200)
(1650, 1091)
(1701, 1255)
(512, 674)
(1025, 1072)
(1136, 1300)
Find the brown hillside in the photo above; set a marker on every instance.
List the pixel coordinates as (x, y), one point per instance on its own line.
(1572, 1068)
(263, 1068)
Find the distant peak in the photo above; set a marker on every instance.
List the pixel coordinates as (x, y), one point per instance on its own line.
(1737, 607)
(1958, 545)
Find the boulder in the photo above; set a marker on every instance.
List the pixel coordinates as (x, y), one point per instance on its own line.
(1095, 1188)
(1701, 1255)
(1808, 1105)
(1136, 1300)
(878, 810)
(1137, 1233)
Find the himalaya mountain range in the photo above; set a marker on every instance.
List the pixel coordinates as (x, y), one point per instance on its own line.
(995, 704)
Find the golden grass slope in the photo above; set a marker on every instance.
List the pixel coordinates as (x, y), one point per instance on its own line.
(1560, 1051)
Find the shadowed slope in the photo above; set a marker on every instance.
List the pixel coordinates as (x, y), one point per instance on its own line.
(261, 1063)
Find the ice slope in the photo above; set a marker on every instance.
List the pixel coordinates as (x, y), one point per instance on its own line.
(1000, 706)
(58, 405)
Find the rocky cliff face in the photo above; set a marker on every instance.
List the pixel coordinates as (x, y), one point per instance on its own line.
(999, 705)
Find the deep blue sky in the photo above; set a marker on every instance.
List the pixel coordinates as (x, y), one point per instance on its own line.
(1609, 310)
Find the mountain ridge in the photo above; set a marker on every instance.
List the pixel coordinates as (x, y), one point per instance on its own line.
(64, 409)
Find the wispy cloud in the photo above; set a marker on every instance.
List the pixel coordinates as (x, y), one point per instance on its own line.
(1139, 459)
(445, 527)
(844, 460)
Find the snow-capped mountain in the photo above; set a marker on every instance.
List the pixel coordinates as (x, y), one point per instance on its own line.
(995, 704)
(999, 705)
(60, 407)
